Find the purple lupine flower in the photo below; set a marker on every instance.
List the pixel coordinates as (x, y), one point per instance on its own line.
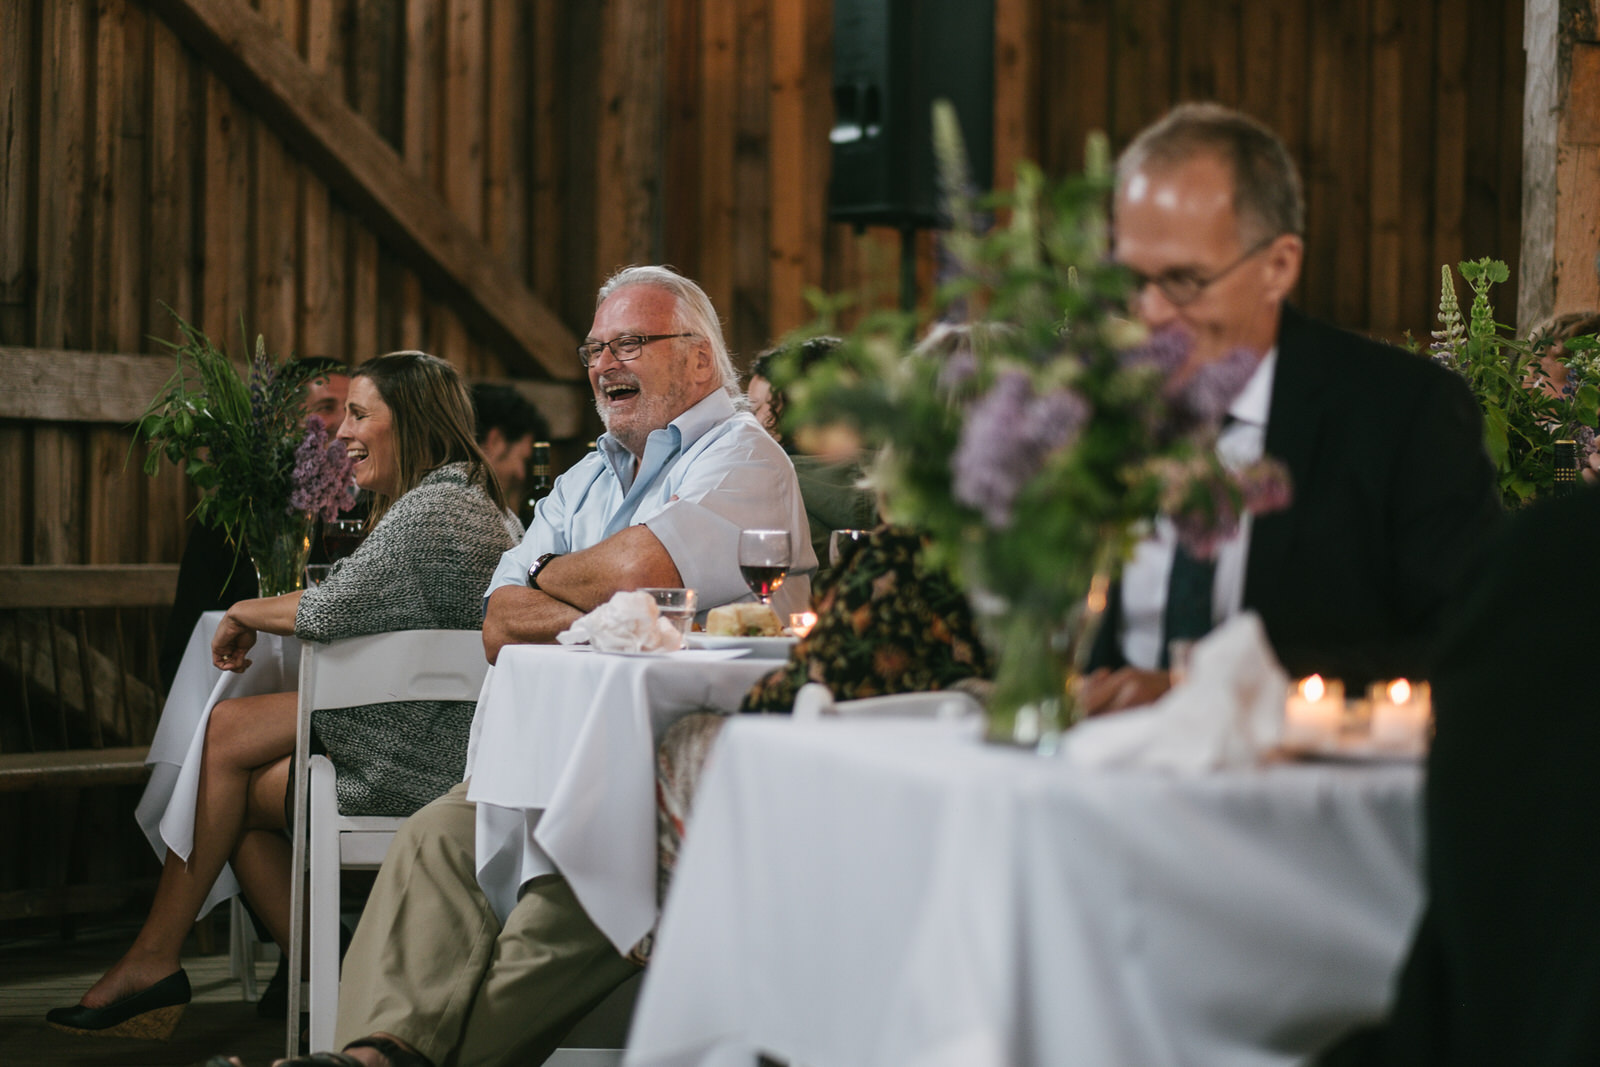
(322, 477)
(1008, 434)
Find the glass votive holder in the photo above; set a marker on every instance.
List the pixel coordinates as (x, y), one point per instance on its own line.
(1314, 712)
(801, 622)
(1402, 712)
(838, 539)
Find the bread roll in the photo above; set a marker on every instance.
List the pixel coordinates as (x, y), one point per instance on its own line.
(743, 620)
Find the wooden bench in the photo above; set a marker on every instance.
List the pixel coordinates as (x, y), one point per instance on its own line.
(73, 767)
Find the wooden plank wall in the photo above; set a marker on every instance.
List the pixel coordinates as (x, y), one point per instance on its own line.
(573, 138)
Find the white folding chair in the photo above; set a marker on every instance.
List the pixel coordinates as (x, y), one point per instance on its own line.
(380, 669)
(814, 700)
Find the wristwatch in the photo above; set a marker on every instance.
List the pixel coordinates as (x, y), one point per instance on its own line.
(539, 565)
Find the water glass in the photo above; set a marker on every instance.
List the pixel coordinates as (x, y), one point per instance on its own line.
(315, 573)
(675, 605)
(836, 543)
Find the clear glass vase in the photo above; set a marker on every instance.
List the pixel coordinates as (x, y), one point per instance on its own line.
(1040, 656)
(279, 544)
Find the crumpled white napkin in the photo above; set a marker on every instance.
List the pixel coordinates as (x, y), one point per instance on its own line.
(628, 622)
(1228, 712)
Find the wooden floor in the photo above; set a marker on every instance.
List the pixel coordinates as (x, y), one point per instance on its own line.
(38, 974)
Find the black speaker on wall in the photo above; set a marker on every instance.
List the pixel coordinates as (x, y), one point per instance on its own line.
(891, 60)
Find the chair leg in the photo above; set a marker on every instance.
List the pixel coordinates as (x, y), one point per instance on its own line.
(242, 950)
(324, 864)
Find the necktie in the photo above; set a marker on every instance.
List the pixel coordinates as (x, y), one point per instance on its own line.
(1188, 610)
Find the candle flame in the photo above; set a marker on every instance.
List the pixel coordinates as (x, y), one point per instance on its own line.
(1312, 688)
(1400, 691)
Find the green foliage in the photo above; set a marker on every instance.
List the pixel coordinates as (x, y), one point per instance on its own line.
(1523, 416)
(1025, 448)
(234, 438)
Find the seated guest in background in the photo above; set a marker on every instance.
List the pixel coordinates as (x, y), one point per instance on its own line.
(212, 576)
(830, 485)
(432, 975)
(886, 623)
(1505, 965)
(1391, 486)
(1553, 374)
(438, 529)
(508, 425)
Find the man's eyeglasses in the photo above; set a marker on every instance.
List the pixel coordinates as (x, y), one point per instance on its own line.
(1183, 287)
(623, 348)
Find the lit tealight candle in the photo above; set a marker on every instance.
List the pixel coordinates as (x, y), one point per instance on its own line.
(1314, 712)
(801, 622)
(1400, 714)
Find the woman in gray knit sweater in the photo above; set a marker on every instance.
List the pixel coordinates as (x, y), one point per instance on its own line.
(438, 527)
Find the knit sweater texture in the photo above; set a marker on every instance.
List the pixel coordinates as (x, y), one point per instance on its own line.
(425, 566)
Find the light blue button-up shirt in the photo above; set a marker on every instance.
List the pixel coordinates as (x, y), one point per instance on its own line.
(710, 473)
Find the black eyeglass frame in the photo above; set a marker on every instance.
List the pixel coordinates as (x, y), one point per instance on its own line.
(632, 346)
(1184, 296)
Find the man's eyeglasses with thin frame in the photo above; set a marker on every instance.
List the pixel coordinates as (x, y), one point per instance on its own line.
(1183, 289)
(624, 348)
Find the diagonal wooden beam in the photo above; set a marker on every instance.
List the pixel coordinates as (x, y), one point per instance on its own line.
(347, 153)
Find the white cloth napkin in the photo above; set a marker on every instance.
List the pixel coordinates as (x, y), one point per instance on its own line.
(628, 622)
(1227, 713)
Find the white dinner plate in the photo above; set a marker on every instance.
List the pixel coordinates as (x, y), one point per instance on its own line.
(760, 647)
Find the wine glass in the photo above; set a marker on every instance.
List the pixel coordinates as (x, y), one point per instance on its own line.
(764, 561)
(340, 537)
(838, 539)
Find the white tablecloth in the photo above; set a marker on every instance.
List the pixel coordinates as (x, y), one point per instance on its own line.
(896, 893)
(166, 810)
(562, 768)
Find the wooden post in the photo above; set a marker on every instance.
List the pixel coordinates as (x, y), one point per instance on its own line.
(1560, 161)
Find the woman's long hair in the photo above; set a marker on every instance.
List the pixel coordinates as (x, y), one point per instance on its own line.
(433, 422)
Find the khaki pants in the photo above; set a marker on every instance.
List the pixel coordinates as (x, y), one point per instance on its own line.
(432, 965)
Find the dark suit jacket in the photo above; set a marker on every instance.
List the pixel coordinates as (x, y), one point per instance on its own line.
(1392, 492)
(1505, 966)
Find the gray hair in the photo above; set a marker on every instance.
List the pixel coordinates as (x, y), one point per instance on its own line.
(1266, 186)
(694, 315)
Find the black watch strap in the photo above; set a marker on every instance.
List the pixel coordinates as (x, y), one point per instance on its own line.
(539, 565)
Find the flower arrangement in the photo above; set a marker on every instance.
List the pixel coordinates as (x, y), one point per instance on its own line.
(1523, 414)
(1036, 447)
(263, 471)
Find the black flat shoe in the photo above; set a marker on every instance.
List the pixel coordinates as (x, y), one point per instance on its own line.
(151, 1013)
(274, 1002)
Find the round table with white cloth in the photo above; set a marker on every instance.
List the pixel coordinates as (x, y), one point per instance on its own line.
(897, 892)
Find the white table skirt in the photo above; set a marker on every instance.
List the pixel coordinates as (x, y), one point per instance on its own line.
(898, 893)
(166, 809)
(562, 768)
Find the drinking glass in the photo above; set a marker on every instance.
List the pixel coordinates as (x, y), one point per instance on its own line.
(675, 605)
(315, 573)
(340, 537)
(764, 561)
(836, 542)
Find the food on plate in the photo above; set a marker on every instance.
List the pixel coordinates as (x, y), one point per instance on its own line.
(743, 620)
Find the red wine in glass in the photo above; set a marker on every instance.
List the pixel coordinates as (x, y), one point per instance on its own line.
(340, 538)
(763, 581)
(764, 560)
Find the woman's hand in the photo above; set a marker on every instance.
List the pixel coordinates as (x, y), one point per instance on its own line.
(233, 639)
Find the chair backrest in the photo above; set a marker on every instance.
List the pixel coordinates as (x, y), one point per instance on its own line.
(384, 668)
(814, 701)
